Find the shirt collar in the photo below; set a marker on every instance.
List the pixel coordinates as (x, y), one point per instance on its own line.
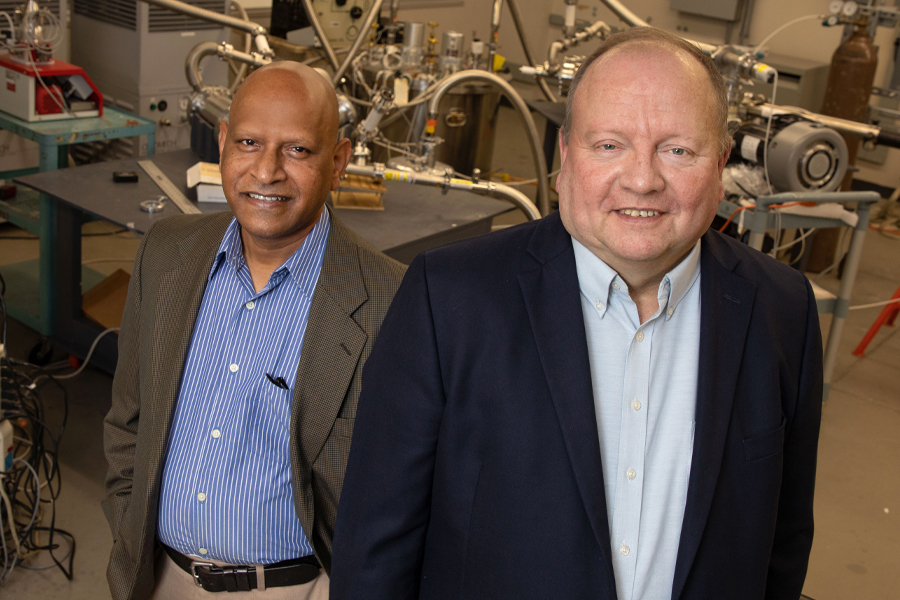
(682, 278)
(597, 280)
(308, 255)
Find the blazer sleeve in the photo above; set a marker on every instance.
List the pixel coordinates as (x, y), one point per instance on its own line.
(794, 529)
(385, 503)
(120, 426)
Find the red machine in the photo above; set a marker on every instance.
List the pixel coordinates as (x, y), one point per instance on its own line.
(46, 91)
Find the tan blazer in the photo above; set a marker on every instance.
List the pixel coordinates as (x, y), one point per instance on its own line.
(352, 295)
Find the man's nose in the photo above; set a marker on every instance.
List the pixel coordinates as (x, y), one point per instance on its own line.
(641, 173)
(269, 167)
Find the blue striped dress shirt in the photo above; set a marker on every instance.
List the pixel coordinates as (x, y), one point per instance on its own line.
(644, 378)
(226, 485)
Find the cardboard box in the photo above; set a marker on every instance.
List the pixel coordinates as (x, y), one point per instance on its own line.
(207, 192)
(204, 172)
(105, 302)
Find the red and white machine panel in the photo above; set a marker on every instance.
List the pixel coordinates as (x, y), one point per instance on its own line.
(67, 92)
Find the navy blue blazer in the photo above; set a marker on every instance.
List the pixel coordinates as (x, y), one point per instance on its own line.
(475, 467)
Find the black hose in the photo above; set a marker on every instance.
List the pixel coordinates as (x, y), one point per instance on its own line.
(888, 138)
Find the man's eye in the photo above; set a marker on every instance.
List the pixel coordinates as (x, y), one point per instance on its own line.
(247, 142)
(607, 146)
(678, 151)
(299, 150)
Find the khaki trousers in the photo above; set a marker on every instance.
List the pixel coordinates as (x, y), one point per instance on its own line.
(174, 584)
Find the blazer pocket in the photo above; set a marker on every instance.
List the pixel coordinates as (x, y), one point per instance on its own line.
(766, 444)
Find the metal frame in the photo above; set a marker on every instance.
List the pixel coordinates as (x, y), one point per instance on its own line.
(762, 218)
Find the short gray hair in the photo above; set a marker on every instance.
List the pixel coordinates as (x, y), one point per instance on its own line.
(651, 36)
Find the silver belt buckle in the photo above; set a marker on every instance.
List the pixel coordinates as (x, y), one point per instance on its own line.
(194, 565)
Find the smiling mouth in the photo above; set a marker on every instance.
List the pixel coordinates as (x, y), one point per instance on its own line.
(265, 198)
(639, 213)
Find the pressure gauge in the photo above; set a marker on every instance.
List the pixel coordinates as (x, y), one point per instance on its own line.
(835, 7)
(850, 8)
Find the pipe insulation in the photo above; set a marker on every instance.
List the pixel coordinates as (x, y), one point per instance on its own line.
(519, 104)
(488, 188)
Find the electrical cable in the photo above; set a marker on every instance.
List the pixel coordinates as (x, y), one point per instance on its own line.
(874, 304)
(86, 358)
(782, 28)
(768, 133)
(531, 181)
(30, 488)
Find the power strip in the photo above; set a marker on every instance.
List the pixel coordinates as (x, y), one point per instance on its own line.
(6, 445)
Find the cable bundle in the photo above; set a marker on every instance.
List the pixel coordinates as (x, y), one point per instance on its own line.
(31, 484)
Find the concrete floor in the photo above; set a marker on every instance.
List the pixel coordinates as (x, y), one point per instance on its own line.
(856, 554)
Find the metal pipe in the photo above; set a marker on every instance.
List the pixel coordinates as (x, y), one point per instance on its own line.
(239, 74)
(495, 32)
(320, 33)
(517, 21)
(489, 188)
(623, 13)
(192, 63)
(869, 132)
(250, 27)
(842, 303)
(519, 103)
(363, 34)
(745, 21)
(254, 59)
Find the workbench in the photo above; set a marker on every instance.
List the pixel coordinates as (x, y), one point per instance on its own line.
(35, 283)
(415, 219)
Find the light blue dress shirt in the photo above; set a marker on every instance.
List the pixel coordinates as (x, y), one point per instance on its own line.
(226, 485)
(644, 379)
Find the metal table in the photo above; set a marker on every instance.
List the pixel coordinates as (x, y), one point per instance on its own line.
(415, 218)
(37, 214)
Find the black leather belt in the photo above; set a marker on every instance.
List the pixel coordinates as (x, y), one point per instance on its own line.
(243, 578)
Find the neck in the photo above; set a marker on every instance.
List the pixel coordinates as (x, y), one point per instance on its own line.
(644, 292)
(264, 256)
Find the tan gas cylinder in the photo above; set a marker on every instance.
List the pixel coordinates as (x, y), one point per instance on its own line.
(847, 93)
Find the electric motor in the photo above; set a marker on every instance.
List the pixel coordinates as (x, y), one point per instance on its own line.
(802, 156)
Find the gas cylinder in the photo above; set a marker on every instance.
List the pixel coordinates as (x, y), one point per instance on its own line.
(849, 85)
(847, 94)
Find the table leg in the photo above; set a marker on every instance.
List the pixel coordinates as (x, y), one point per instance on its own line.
(549, 144)
(49, 161)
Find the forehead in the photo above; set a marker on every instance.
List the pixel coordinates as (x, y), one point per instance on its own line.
(282, 102)
(647, 79)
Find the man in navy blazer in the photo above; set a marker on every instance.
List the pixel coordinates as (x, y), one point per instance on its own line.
(517, 374)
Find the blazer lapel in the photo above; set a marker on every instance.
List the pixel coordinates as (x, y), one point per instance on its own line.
(726, 307)
(332, 347)
(552, 299)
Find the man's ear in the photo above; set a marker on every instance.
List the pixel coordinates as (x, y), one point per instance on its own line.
(563, 148)
(342, 151)
(223, 133)
(724, 159)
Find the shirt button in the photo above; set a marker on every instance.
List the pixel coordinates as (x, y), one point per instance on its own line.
(640, 336)
(216, 433)
(233, 368)
(201, 496)
(624, 550)
(636, 405)
(250, 305)
(631, 473)
(616, 285)
(203, 550)
(670, 312)
(599, 305)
